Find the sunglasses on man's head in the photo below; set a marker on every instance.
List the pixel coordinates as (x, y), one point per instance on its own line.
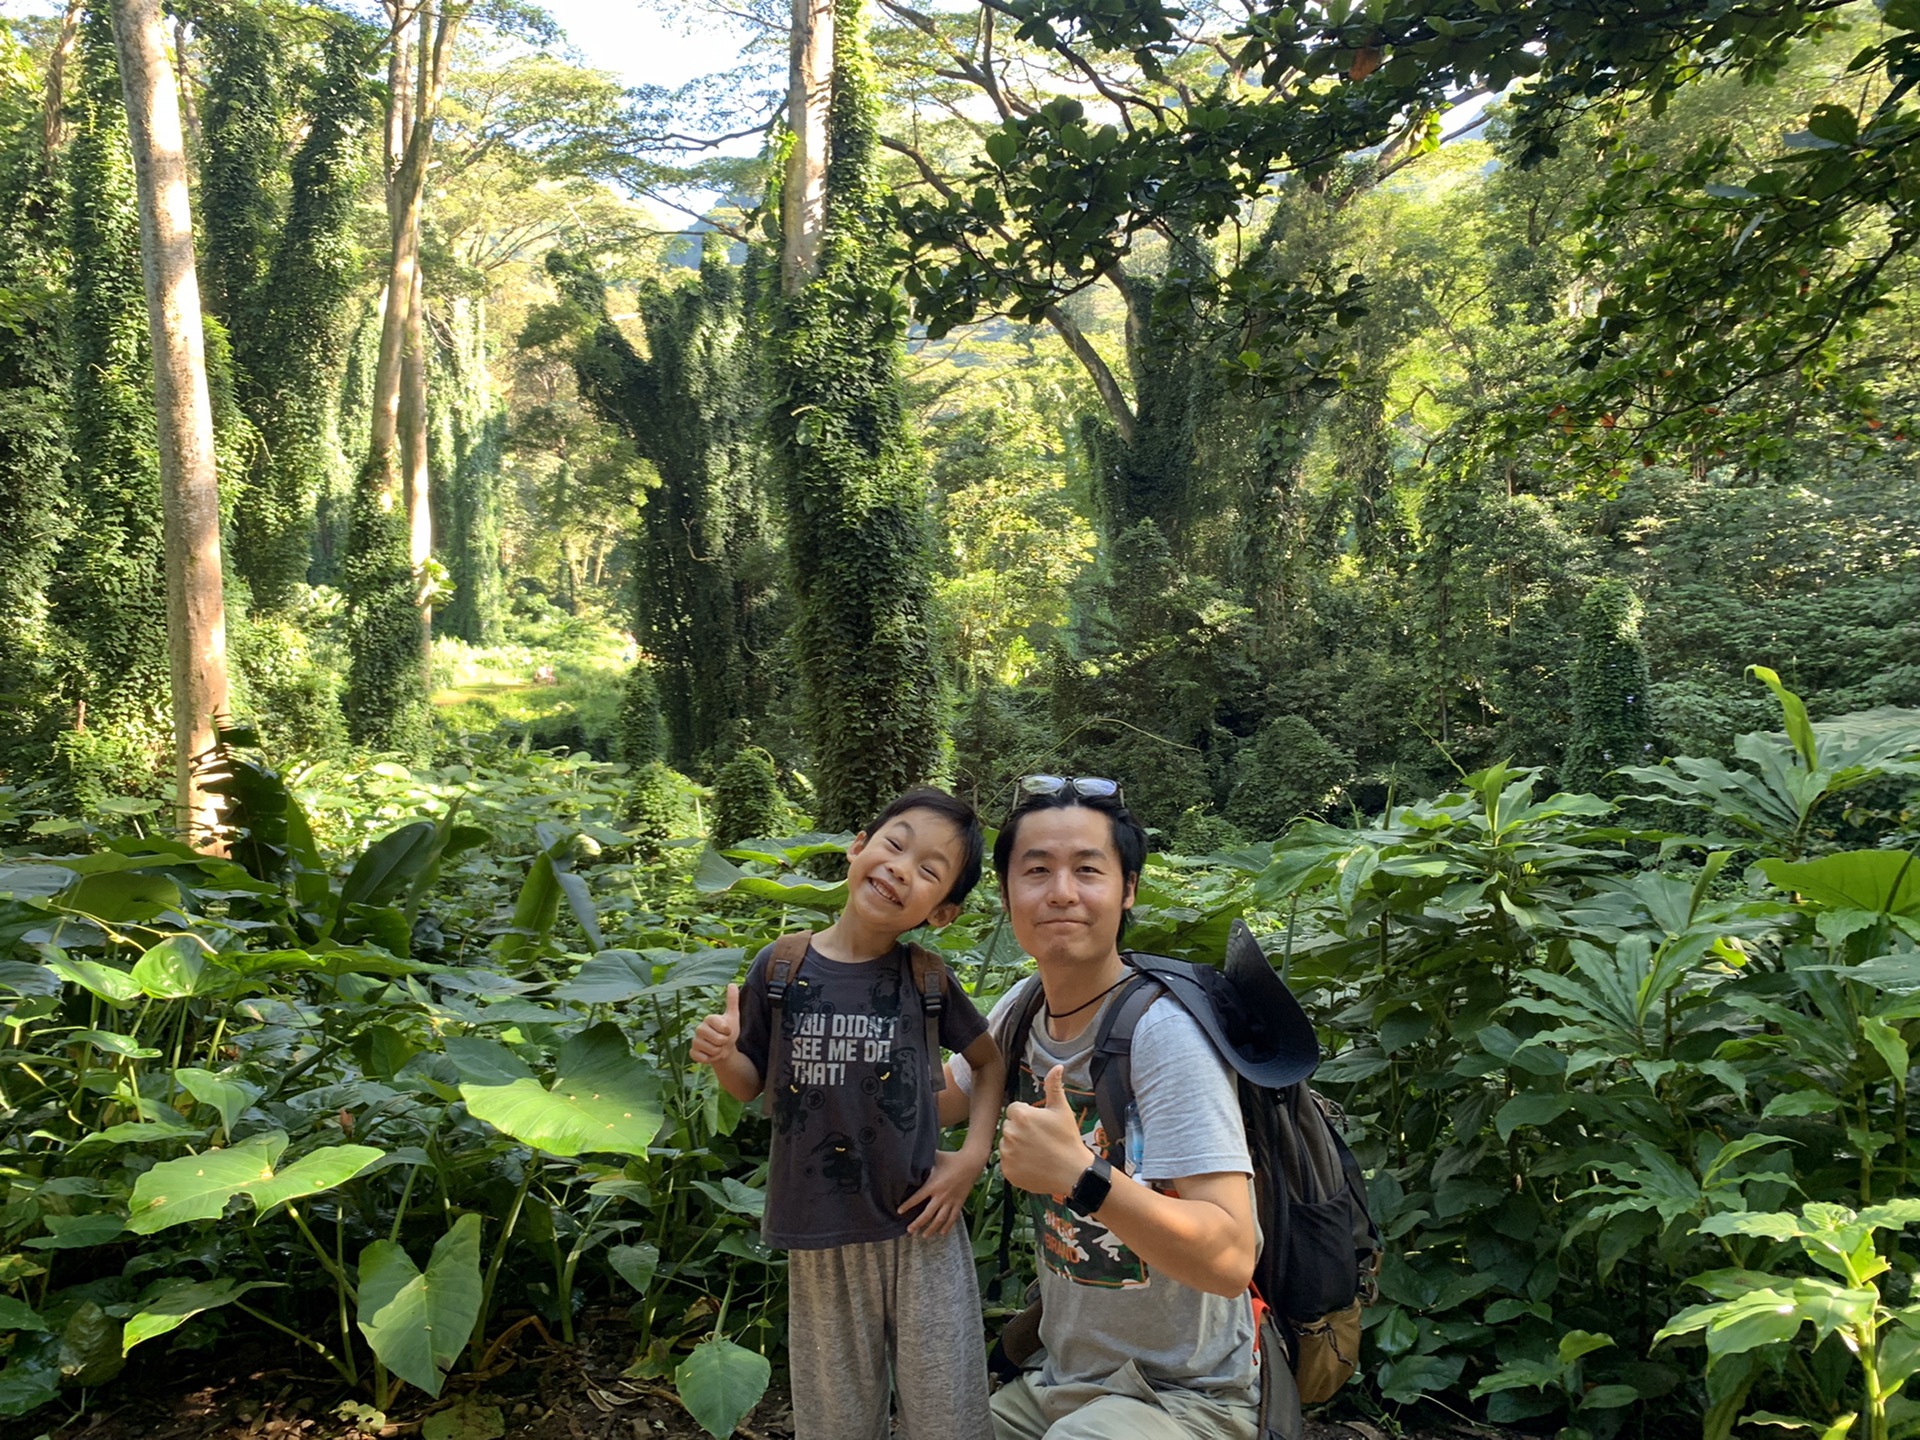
(1090, 787)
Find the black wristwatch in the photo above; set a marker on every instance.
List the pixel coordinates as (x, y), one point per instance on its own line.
(1090, 1191)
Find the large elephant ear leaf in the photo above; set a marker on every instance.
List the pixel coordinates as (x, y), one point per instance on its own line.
(417, 1321)
(198, 1187)
(604, 1100)
(719, 1383)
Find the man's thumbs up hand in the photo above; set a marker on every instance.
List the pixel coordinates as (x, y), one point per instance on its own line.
(718, 1036)
(1040, 1145)
(1056, 1089)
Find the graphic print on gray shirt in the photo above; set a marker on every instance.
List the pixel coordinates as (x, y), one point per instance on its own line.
(1104, 1307)
(854, 1122)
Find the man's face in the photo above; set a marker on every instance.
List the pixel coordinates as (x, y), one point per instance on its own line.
(1065, 892)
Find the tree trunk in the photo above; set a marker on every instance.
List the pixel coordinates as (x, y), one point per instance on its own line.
(809, 99)
(196, 614)
(414, 459)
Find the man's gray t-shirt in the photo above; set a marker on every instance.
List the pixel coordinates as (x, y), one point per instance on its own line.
(1102, 1306)
(855, 1126)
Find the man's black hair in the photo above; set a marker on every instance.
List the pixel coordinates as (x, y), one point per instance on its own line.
(955, 812)
(1129, 839)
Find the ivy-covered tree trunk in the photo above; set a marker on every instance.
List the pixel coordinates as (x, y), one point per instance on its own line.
(864, 639)
(190, 484)
(289, 320)
(109, 594)
(35, 376)
(468, 434)
(704, 606)
(1612, 706)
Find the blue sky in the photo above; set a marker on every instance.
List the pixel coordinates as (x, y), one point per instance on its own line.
(641, 47)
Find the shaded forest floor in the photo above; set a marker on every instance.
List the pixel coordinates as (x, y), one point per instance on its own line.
(539, 1393)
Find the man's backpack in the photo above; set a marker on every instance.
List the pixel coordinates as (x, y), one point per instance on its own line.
(1320, 1249)
(783, 966)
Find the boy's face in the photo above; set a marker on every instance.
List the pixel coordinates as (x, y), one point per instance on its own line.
(1065, 889)
(899, 876)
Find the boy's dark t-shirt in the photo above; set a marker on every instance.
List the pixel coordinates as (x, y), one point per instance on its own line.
(854, 1121)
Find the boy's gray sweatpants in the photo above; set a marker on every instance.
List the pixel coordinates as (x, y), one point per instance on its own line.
(910, 1305)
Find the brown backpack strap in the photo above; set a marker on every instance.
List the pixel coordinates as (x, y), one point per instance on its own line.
(930, 979)
(784, 957)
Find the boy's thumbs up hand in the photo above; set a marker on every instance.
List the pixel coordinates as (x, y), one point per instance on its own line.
(718, 1036)
(1040, 1145)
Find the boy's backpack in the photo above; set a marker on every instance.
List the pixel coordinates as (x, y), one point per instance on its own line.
(1320, 1249)
(783, 965)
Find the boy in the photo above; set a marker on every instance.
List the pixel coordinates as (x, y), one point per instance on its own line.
(880, 1274)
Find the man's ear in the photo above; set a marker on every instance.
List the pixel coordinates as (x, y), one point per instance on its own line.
(1133, 884)
(943, 915)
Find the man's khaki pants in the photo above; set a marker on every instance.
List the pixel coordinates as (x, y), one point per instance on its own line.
(1129, 1409)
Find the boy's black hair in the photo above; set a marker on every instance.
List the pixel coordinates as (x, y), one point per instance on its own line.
(1129, 839)
(955, 812)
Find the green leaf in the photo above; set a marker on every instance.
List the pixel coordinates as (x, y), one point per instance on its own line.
(312, 1173)
(77, 1232)
(28, 1382)
(171, 1303)
(1576, 1343)
(635, 1264)
(1609, 1397)
(198, 1187)
(418, 1322)
(603, 1100)
(467, 1419)
(389, 865)
(18, 1315)
(171, 970)
(1886, 882)
(230, 1097)
(1406, 1379)
(116, 987)
(719, 1383)
(1889, 1045)
(1799, 728)
(1531, 1108)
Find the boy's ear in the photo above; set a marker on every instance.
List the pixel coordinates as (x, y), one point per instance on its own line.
(857, 844)
(943, 915)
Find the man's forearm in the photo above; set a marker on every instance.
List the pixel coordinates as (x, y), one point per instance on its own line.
(1192, 1237)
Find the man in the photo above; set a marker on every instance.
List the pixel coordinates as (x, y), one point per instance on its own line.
(1147, 1327)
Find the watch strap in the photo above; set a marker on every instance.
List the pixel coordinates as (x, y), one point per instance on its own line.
(1090, 1191)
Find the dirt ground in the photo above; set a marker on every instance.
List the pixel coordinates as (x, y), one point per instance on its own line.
(542, 1392)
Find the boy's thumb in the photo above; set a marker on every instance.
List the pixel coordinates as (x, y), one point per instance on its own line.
(733, 1003)
(1057, 1088)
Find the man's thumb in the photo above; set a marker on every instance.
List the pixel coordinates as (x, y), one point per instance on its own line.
(1057, 1088)
(733, 1003)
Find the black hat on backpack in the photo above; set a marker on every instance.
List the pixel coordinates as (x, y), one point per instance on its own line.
(1248, 1012)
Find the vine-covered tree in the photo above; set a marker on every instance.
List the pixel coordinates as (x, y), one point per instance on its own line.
(704, 603)
(289, 326)
(108, 595)
(864, 638)
(1612, 691)
(34, 383)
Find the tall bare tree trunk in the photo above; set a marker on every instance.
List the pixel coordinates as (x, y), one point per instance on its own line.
(809, 98)
(196, 607)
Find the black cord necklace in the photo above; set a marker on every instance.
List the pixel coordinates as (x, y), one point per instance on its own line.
(1053, 1014)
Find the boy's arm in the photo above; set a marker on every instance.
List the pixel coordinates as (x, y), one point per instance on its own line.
(716, 1042)
(954, 1171)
